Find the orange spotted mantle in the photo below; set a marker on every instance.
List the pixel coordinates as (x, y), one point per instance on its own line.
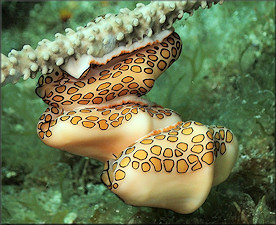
(129, 74)
(186, 150)
(102, 108)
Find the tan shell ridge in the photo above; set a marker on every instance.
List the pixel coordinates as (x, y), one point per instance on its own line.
(97, 38)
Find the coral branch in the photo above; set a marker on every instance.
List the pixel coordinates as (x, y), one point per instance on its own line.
(97, 38)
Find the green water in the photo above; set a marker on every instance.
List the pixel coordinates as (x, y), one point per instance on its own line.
(225, 76)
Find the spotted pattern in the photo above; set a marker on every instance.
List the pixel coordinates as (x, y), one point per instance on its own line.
(181, 149)
(135, 75)
(222, 137)
(96, 118)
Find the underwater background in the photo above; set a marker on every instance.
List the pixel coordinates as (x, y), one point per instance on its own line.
(224, 76)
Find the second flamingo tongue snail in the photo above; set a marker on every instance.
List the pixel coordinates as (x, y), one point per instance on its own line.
(151, 157)
(174, 167)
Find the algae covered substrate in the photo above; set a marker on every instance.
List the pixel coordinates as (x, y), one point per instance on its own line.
(225, 75)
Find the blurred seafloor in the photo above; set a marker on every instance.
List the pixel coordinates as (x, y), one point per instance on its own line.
(225, 76)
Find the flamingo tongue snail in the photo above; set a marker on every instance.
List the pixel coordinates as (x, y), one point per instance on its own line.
(174, 167)
(100, 114)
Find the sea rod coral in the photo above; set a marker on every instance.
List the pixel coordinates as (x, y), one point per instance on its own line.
(98, 40)
(92, 81)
